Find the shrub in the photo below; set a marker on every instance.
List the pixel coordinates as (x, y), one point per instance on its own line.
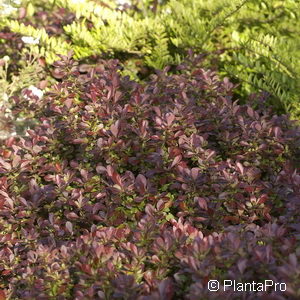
(147, 191)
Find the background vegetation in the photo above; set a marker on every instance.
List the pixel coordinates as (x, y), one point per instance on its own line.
(256, 43)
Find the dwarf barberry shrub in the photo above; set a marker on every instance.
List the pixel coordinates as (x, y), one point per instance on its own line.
(147, 191)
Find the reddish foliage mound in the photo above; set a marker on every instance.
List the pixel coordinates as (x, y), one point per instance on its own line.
(129, 191)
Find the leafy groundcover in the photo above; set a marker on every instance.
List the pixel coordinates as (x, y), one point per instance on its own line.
(148, 191)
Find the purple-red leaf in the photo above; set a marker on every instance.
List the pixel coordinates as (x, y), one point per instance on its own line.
(170, 118)
(250, 112)
(115, 128)
(69, 227)
(240, 167)
(176, 160)
(141, 183)
(160, 205)
(201, 202)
